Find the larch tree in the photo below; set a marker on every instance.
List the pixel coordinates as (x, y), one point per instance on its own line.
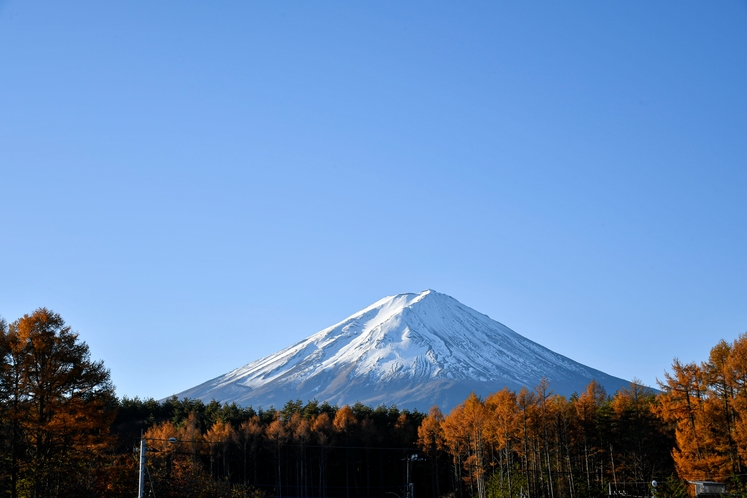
(527, 402)
(344, 423)
(323, 430)
(219, 437)
(456, 437)
(277, 436)
(685, 402)
(588, 407)
(720, 405)
(736, 379)
(464, 434)
(641, 434)
(11, 410)
(502, 431)
(58, 406)
(431, 441)
(249, 437)
(300, 430)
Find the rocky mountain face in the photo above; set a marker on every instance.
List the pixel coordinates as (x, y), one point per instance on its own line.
(409, 350)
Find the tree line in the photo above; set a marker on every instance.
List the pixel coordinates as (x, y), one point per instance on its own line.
(536, 443)
(64, 433)
(301, 450)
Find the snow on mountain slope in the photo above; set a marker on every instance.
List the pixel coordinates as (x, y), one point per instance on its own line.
(412, 350)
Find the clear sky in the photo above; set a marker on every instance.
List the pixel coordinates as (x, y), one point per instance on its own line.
(194, 185)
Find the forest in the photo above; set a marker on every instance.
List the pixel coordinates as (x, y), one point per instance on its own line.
(65, 433)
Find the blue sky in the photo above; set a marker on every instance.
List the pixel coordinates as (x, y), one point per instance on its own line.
(195, 185)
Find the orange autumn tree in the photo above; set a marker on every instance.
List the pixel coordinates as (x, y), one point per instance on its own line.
(456, 442)
(682, 403)
(277, 436)
(55, 407)
(464, 433)
(735, 367)
(344, 423)
(323, 430)
(220, 438)
(638, 433)
(588, 413)
(300, 430)
(249, 438)
(502, 431)
(708, 405)
(721, 408)
(431, 441)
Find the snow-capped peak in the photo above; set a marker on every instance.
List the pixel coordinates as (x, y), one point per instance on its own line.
(401, 344)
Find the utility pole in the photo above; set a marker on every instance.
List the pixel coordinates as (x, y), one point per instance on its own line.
(144, 449)
(141, 485)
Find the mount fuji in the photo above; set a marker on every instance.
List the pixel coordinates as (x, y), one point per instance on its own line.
(409, 350)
